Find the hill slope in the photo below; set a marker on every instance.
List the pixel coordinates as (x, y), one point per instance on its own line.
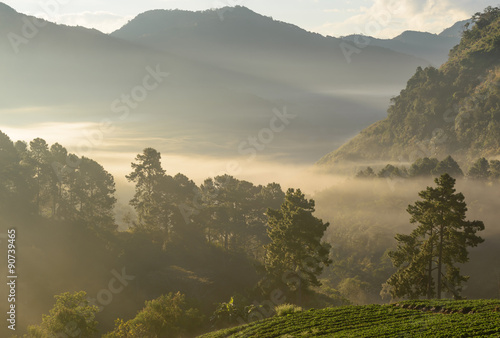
(409, 319)
(225, 79)
(250, 43)
(453, 110)
(432, 47)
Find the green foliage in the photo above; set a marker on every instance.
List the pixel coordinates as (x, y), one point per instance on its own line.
(287, 309)
(367, 173)
(167, 316)
(296, 256)
(451, 110)
(233, 212)
(480, 170)
(390, 171)
(412, 319)
(226, 314)
(150, 193)
(448, 166)
(232, 313)
(495, 169)
(224, 210)
(71, 316)
(93, 191)
(354, 289)
(14, 188)
(423, 167)
(437, 244)
(58, 185)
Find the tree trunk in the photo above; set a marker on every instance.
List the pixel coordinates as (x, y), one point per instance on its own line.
(38, 193)
(429, 273)
(440, 256)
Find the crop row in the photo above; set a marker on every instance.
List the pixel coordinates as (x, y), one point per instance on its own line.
(379, 320)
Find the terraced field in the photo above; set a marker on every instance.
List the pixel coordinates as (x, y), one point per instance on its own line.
(436, 318)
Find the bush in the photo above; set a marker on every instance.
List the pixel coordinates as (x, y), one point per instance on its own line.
(71, 316)
(166, 316)
(286, 309)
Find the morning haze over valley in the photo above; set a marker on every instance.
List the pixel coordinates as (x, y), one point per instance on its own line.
(250, 169)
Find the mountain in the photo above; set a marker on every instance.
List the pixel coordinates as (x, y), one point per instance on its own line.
(453, 110)
(457, 29)
(432, 47)
(247, 42)
(226, 76)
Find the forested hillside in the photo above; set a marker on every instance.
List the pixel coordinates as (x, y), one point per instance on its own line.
(188, 245)
(453, 110)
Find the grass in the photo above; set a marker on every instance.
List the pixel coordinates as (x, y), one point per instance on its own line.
(435, 318)
(286, 309)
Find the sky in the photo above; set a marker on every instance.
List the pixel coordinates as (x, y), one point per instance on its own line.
(378, 18)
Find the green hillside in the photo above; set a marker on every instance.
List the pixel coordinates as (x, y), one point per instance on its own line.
(444, 318)
(453, 110)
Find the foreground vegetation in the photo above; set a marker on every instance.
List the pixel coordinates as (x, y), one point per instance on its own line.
(443, 318)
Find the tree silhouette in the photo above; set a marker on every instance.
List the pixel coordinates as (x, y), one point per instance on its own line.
(426, 259)
(448, 166)
(151, 202)
(480, 170)
(71, 316)
(296, 255)
(93, 190)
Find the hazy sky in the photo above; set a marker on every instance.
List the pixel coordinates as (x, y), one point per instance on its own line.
(380, 18)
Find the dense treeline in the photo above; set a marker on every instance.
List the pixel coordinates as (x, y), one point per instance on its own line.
(191, 244)
(54, 184)
(482, 169)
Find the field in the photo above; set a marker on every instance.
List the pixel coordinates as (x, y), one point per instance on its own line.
(436, 318)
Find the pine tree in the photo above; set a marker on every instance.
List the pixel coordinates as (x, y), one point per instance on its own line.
(150, 200)
(296, 256)
(448, 166)
(426, 259)
(480, 170)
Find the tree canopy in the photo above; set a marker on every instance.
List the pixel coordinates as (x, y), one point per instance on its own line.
(71, 316)
(427, 258)
(296, 255)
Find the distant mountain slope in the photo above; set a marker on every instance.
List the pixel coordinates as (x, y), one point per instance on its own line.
(456, 30)
(247, 42)
(432, 47)
(454, 110)
(225, 79)
(58, 64)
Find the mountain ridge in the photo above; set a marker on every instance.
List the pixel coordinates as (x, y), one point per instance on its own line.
(453, 110)
(226, 78)
(432, 47)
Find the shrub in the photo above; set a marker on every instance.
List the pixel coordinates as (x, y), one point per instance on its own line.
(286, 309)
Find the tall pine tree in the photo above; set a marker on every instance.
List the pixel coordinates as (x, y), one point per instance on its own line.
(296, 256)
(426, 259)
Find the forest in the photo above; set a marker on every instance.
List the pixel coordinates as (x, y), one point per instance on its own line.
(450, 110)
(200, 257)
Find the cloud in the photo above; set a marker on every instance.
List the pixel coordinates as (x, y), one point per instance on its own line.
(388, 18)
(335, 10)
(106, 22)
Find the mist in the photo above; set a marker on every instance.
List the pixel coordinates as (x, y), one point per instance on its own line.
(366, 214)
(245, 109)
